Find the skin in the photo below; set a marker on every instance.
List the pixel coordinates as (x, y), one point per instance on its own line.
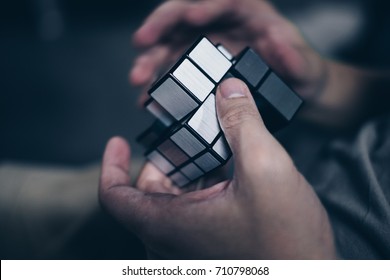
(267, 209)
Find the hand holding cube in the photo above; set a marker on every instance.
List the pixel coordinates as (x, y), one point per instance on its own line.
(267, 211)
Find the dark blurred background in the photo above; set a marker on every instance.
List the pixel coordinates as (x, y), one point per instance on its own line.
(64, 87)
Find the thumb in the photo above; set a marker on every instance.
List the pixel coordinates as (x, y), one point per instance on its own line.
(241, 122)
(130, 206)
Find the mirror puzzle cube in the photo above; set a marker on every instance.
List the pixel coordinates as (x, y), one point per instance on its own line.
(186, 142)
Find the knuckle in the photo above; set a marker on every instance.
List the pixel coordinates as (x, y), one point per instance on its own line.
(272, 33)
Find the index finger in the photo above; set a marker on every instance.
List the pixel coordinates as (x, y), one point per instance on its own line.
(159, 22)
(173, 14)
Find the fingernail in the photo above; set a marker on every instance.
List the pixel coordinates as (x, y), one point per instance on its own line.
(232, 88)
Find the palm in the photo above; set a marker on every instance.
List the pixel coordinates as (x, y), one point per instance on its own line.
(152, 180)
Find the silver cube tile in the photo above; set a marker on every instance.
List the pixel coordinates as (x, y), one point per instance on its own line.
(179, 179)
(207, 162)
(172, 152)
(160, 162)
(210, 59)
(174, 99)
(193, 79)
(160, 113)
(191, 171)
(205, 121)
(187, 142)
(221, 147)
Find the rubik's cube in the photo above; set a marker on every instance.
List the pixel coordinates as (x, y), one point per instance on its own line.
(186, 142)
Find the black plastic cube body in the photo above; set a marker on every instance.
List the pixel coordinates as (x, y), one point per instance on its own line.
(277, 103)
(186, 141)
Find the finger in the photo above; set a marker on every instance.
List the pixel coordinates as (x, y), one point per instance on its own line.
(143, 97)
(241, 122)
(204, 12)
(152, 180)
(147, 65)
(160, 22)
(176, 14)
(116, 164)
(128, 205)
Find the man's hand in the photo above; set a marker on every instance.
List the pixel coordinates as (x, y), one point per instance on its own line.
(335, 94)
(174, 25)
(267, 210)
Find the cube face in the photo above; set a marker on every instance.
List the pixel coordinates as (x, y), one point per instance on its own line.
(187, 142)
(186, 152)
(276, 102)
(185, 87)
(178, 103)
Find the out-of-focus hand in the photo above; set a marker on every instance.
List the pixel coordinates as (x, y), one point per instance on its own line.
(267, 210)
(236, 24)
